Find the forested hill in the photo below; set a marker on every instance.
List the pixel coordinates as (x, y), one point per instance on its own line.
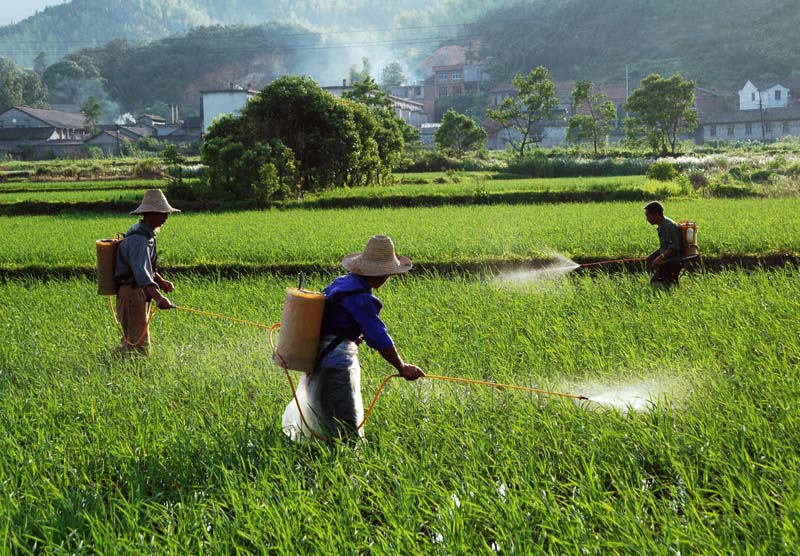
(77, 24)
(716, 42)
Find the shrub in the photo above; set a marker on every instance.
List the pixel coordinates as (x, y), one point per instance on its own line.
(698, 180)
(662, 171)
(147, 168)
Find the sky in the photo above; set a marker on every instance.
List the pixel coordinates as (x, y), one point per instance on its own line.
(14, 11)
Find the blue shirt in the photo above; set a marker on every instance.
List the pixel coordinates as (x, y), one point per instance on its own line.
(355, 314)
(136, 257)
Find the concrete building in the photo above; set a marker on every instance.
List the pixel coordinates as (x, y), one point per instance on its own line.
(756, 125)
(223, 101)
(763, 96)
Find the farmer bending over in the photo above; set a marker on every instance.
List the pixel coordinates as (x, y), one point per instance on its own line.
(666, 261)
(351, 316)
(136, 273)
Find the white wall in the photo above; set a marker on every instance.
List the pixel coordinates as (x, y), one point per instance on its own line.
(750, 98)
(218, 103)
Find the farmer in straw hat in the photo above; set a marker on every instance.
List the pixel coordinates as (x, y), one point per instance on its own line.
(333, 390)
(136, 273)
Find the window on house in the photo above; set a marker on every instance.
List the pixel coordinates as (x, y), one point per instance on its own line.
(768, 127)
(748, 129)
(777, 94)
(442, 76)
(456, 75)
(444, 91)
(712, 130)
(753, 97)
(417, 91)
(457, 91)
(785, 127)
(731, 131)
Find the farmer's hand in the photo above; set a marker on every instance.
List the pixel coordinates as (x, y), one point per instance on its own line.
(658, 261)
(164, 303)
(167, 286)
(410, 372)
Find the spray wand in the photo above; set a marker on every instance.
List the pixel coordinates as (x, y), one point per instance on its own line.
(612, 261)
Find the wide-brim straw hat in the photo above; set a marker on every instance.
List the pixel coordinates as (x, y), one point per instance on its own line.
(154, 201)
(377, 259)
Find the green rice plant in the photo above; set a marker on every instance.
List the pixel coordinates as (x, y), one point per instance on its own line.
(469, 235)
(182, 451)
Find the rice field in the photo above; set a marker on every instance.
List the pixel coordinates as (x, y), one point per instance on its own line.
(183, 453)
(688, 444)
(457, 234)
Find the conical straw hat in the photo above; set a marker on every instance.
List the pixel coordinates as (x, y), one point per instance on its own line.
(154, 201)
(377, 259)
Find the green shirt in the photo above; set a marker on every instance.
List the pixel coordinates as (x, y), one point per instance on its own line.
(669, 236)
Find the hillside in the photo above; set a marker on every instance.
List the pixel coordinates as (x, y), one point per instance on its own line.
(720, 43)
(65, 28)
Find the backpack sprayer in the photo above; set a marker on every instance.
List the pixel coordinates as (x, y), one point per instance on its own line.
(689, 246)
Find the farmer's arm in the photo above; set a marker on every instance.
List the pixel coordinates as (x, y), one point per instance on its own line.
(377, 337)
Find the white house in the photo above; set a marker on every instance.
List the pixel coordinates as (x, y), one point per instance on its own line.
(223, 101)
(763, 96)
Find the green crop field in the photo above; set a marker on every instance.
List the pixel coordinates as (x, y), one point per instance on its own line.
(183, 453)
(689, 442)
(428, 235)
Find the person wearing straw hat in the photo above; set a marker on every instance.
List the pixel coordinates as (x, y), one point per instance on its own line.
(352, 316)
(136, 273)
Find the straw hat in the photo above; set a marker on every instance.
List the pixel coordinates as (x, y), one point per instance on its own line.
(377, 259)
(154, 201)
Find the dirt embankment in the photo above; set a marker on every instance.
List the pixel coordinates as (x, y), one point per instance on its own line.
(472, 268)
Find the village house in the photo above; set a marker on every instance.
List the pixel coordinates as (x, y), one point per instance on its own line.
(766, 112)
(406, 109)
(36, 133)
(220, 102)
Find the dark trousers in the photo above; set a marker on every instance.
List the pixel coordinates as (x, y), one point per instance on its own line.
(667, 274)
(336, 402)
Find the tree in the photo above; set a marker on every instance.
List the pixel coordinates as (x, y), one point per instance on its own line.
(660, 110)
(293, 136)
(459, 133)
(40, 64)
(19, 87)
(357, 76)
(391, 75)
(91, 110)
(535, 100)
(597, 117)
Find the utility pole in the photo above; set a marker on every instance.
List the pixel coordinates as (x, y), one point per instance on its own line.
(761, 115)
(626, 81)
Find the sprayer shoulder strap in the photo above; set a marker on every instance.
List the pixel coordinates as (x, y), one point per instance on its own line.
(335, 298)
(338, 339)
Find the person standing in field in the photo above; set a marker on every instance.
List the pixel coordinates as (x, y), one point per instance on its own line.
(351, 316)
(136, 273)
(666, 261)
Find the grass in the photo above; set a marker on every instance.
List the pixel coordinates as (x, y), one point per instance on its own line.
(445, 235)
(182, 452)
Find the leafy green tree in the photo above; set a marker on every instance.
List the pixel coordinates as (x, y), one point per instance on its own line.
(19, 87)
(596, 118)
(175, 161)
(534, 101)
(459, 133)
(363, 74)
(660, 110)
(40, 64)
(311, 138)
(391, 75)
(91, 110)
